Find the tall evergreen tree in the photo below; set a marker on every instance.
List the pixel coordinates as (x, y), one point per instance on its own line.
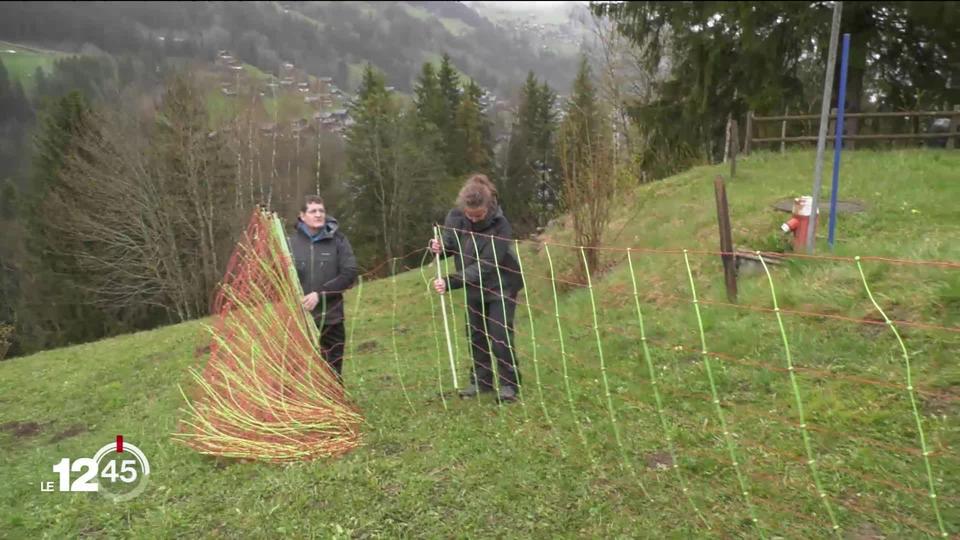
(20, 102)
(199, 171)
(472, 148)
(67, 120)
(372, 85)
(545, 123)
(450, 91)
(13, 100)
(449, 83)
(11, 258)
(587, 164)
(430, 102)
(40, 78)
(728, 57)
(6, 109)
(52, 309)
(582, 116)
(146, 213)
(454, 120)
(392, 174)
(343, 73)
(529, 166)
(16, 119)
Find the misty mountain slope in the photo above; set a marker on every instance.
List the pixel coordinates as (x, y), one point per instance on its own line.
(323, 38)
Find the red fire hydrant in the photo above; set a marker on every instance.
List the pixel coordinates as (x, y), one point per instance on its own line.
(799, 222)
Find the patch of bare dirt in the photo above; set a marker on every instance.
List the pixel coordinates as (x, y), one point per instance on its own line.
(945, 402)
(659, 461)
(367, 346)
(875, 325)
(71, 431)
(865, 531)
(21, 430)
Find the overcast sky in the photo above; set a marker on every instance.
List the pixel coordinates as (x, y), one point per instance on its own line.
(532, 6)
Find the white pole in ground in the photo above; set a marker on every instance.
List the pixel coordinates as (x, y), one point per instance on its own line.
(824, 121)
(443, 308)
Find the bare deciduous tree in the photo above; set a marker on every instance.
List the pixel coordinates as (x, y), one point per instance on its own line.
(590, 182)
(146, 208)
(627, 79)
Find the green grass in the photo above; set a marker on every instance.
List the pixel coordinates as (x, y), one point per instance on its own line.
(220, 108)
(22, 63)
(287, 107)
(455, 26)
(275, 104)
(255, 73)
(436, 59)
(472, 469)
(417, 12)
(498, 14)
(354, 74)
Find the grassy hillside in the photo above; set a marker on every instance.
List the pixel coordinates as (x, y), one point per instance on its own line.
(435, 466)
(22, 62)
(322, 38)
(274, 105)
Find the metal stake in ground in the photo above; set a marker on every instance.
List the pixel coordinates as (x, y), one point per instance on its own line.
(838, 140)
(824, 120)
(726, 239)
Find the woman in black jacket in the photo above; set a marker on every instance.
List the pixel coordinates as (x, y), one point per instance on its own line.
(479, 236)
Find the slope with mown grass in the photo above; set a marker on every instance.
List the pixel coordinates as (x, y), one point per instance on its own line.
(434, 466)
(22, 61)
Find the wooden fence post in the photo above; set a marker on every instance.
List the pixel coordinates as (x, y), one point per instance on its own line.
(832, 126)
(749, 134)
(734, 148)
(726, 239)
(851, 126)
(952, 132)
(915, 128)
(909, 125)
(726, 139)
(783, 131)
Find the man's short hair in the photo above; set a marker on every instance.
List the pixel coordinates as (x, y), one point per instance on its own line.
(311, 199)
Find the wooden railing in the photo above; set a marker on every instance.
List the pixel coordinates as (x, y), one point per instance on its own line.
(951, 135)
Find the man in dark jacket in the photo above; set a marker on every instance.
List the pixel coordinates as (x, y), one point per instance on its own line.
(326, 268)
(479, 236)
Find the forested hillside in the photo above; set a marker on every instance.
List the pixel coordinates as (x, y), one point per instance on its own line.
(326, 38)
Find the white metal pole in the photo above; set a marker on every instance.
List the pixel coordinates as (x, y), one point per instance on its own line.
(443, 308)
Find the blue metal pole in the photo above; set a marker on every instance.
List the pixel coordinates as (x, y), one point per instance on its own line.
(838, 139)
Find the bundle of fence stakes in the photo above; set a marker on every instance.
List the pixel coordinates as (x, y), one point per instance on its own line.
(265, 392)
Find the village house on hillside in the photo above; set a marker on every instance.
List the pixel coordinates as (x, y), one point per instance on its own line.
(319, 93)
(227, 62)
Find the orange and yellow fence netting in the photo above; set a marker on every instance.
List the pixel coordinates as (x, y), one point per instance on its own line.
(266, 392)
